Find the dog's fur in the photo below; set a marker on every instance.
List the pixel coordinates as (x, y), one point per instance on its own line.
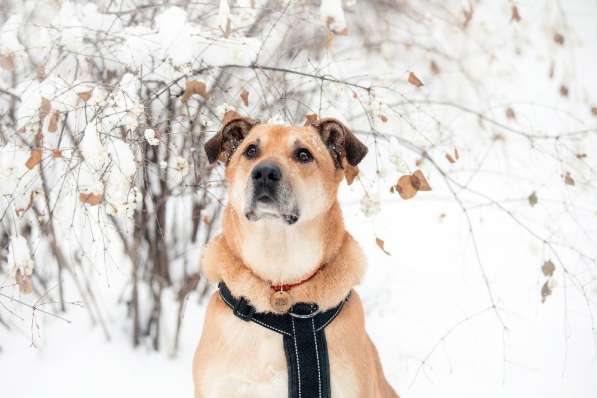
(284, 238)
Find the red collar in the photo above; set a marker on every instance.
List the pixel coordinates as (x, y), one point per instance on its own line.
(286, 287)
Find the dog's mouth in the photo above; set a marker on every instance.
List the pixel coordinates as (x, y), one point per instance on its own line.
(265, 206)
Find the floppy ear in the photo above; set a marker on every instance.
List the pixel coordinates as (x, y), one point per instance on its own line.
(341, 142)
(222, 145)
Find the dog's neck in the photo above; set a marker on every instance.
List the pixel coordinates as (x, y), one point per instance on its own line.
(282, 253)
(250, 257)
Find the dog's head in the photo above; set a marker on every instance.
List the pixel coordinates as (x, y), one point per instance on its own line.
(290, 173)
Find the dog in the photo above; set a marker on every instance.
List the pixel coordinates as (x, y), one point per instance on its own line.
(284, 245)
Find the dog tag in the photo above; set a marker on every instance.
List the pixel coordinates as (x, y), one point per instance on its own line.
(281, 301)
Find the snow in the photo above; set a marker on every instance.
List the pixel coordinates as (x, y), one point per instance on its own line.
(451, 315)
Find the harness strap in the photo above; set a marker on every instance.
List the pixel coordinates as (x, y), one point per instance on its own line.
(305, 346)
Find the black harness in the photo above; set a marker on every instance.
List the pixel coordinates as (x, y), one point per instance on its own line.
(302, 330)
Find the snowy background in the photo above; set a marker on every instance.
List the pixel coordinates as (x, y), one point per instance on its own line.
(484, 286)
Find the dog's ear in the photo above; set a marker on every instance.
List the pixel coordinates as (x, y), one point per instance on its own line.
(222, 145)
(340, 141)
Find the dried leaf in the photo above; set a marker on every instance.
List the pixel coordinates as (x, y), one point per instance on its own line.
(53, 125)
(533, 199)
(564, 90)
(24, 282)
(383, 118)
(548, 268)
(414, 80)
(85, 95)
(450, 158)
(545, 291)
(468, 15)
(7, 62)
(380, 243)
(515, 14)
(34, 158)
(329, 41)
(420, 182)
(568, 180)
(510, 113)
(434, 68)
(194, 87)
(405, 187)
(244, 96)
(558, 38)
(581, 155)
(44, 108)
(56, 153)
(456, 154)
(90, 198)
(40, 72)
(594, 110)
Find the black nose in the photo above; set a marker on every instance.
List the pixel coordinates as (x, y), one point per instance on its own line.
(266, 174)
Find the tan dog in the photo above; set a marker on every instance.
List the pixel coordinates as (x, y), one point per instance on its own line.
(283, 225)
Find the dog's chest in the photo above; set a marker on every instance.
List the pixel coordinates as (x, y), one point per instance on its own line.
(253, 364)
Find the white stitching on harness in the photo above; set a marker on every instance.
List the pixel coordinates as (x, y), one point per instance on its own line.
(316, 356)
(270, 327)
(298, 365)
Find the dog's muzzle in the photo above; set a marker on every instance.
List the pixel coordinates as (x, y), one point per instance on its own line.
(266, 182)
(269, 195)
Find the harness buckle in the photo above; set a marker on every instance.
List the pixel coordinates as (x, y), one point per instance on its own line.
(304, 311)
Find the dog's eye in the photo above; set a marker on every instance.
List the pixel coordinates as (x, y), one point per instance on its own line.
(251, 151)
(303, 155)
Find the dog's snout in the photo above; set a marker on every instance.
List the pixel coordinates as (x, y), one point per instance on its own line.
(267, 174)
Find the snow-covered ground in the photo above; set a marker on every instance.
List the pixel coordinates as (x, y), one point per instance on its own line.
(429, 303)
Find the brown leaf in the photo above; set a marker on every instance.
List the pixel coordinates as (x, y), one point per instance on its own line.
(24, 282)
(56, 153)
(244, 96)
(90, 198)
(414, 80)
(450, 158)
(468, 15)
(545, 291)
(563, 90)
(329, 41)
(405, 187)
(594, 110)
(85, 95)
(456, 154)
(420, 182)
(515, 14)
(40, 72)
(34, 158)
(194, 87)
(568, 180)
(380, 243)
(510, 113)
(44, 108)
(581, 155)
(533, 199)
(53, 125)
(434, 68)
(558, 38)
(548, 268)
(383, 118)
(7, 61)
